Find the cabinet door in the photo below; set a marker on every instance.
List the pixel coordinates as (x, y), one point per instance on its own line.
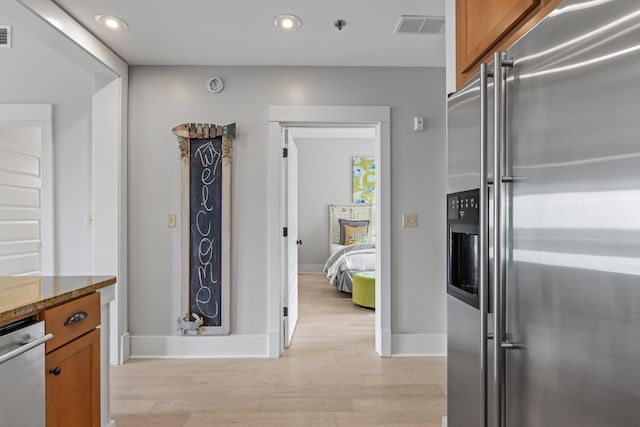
(73, 383)
(481, 23)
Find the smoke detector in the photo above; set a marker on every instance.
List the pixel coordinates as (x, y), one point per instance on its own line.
(418, 24)
(5, 36)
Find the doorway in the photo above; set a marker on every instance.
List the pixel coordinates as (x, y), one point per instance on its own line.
(283, 118)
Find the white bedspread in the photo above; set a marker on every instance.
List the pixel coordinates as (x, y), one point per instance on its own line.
(341, 266)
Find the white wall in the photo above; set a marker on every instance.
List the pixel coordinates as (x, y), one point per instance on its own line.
(33, 73)
(324, 177)
(162, 97)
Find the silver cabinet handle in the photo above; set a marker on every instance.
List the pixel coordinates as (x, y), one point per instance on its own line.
(76, 318)
(483, 293)
(25, 347)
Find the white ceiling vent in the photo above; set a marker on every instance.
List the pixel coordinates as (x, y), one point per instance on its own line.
(417, 24)
(5, 36)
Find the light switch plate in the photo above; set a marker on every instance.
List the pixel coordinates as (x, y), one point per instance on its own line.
(171, 222)
(409, 220)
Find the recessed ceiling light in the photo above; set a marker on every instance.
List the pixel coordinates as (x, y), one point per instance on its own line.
(111, 22)
(288, 22)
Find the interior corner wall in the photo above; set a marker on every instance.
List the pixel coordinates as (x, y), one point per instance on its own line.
(33, 73)
(160, 97)
(325, 172)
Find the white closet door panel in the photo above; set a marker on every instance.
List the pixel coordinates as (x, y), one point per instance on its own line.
(11, 231)
(19, 197)
(19, 214)
(16, 162)
(24, 140)
(16, 179)
(19, 264)
(22, 247)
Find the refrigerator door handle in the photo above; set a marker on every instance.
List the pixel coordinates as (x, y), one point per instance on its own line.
(499, 212)
(484, 245)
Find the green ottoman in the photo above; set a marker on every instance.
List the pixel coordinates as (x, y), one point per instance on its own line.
(364, 289)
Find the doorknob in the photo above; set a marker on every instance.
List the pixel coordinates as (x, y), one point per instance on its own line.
(299, 242)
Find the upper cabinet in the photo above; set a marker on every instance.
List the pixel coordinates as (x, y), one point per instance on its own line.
(483, 26)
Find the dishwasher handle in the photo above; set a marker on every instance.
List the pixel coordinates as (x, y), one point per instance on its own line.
(26, 346)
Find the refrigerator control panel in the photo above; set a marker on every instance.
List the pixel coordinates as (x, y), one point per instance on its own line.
(464, 206)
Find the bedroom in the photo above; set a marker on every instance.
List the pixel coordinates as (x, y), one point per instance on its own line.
(326, 160)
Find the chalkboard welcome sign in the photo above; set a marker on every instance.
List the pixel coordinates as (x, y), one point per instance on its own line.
(206, 206)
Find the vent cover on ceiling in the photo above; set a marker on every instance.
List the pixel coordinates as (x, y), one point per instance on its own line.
(416, 24)
(5, 36)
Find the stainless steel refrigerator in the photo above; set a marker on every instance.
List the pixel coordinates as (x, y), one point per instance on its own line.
(548, 134)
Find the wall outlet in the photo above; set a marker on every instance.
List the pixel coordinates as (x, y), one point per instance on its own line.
(171, 222)
(89, 222)
(418, 124)
(409, 220)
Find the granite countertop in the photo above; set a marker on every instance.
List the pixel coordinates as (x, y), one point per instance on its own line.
(24, 296)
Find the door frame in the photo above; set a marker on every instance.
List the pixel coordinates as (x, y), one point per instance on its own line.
(287, 116)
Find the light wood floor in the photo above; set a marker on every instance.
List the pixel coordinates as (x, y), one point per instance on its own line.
(330, 376)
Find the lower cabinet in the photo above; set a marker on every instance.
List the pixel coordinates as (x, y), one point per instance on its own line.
(72, 364)
(73, 383)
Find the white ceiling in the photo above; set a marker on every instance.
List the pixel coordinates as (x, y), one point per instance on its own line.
(241, 32)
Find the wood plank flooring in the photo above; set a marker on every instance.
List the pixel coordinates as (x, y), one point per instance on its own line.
(330, 376)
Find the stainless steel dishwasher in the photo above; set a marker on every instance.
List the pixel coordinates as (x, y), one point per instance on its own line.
(22, 374)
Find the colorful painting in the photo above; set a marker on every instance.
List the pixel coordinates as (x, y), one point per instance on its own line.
(364, 179)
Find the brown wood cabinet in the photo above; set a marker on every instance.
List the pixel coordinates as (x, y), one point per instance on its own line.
(72, 363)
(484, 26)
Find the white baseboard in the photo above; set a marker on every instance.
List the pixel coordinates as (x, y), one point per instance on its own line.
(177, 346)
(310, 268)
(444, 421)
(419, 344)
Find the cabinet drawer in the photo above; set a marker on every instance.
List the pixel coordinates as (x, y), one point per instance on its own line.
(69, 321)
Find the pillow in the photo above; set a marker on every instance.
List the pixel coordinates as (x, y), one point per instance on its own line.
(355, 235)
(352, 223)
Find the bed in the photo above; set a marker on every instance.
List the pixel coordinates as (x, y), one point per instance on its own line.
(351, 243)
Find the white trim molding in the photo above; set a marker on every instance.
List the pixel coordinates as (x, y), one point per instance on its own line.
(419, 344)
(178, 346)
(107, 296)
(311, 268)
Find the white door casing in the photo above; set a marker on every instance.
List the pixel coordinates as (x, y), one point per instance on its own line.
(285, 116)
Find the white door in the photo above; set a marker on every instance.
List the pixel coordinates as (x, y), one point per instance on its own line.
(26, 190)
(290, 242)
(20, 201)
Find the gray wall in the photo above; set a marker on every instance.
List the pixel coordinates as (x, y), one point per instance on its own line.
(324, 177)
(162, 97)
(33, 73)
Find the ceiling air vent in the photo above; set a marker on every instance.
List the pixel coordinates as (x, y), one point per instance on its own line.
(5, 36)
(416, 24)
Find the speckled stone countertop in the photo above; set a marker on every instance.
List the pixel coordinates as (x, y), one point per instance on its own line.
(25, 296)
